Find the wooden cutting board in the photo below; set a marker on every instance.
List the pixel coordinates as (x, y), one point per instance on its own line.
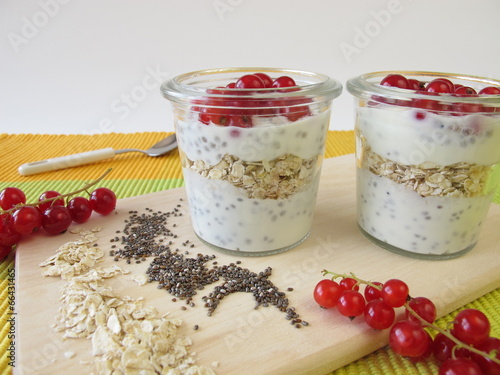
(237, 336)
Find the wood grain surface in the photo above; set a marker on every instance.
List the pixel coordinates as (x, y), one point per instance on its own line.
(237, 336)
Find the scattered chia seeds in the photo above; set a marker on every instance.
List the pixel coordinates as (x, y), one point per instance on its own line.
(140, 235)
(183, 276)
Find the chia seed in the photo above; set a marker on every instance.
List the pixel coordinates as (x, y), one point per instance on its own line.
(183, 276)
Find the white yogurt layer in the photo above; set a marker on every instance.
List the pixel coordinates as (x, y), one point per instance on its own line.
(266, 141)
(221, 213)
(402, 218)
(401, 135)
(224, 217)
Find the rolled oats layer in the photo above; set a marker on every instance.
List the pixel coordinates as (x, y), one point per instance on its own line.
(273, 179)
(459, 180)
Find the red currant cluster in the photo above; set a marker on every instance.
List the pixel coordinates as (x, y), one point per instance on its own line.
(53, 212)
(239, 106)
(440, 86)
(466, 348)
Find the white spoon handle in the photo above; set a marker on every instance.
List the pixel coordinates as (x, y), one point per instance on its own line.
(65, 161)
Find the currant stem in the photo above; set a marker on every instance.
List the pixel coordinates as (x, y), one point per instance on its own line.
(424, 322)
(447, 333)
(85, 188)
(352, 276)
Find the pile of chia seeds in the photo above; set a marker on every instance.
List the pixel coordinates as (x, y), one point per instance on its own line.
(147, 235)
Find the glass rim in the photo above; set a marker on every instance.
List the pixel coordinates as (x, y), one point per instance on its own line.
(185, 88)
(364, 86)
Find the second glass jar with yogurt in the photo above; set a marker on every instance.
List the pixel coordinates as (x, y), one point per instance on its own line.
(427, 159)
(251, 142)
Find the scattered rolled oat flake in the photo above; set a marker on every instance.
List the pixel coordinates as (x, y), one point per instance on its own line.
(69, 354)
(74, 258)
(140, 279)
(125, 335)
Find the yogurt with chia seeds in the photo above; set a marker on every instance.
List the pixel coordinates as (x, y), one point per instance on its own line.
(425, 180)
(253, 189)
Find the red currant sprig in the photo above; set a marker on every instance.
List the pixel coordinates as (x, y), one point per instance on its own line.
(50, 212)
(467, 342)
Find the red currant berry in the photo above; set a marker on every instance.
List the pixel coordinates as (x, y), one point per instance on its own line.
(415, 84)
(220, 90)
(395, 292)
(427, 353)
(379, 315)
(440, 85)
(231, 85)
(408, 339)
(56, 220)
(284, 81)
(348, 283)
(464, 91)
(490, 345)
(79, 209)
(4, 252)
(10, 197)
(327, 293)
(442, 347)
(266, 80)
(221, 120)
(462, 108)
(471, 326)
(371, 293)
(427, 104)
(8, 237)
(295, 113)
(26, 220)
(420, 115)
(460, 366)
(204, 118)
(249, 81)
(47, 195)
(395, 80)
(351, 303)
(490, 90)
(242, 121)
(424, 308)
(103, 201)
(235, 133)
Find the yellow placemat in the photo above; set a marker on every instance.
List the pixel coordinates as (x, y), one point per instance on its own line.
(135, 174)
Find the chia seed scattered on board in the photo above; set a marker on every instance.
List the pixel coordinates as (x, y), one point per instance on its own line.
(183, 276)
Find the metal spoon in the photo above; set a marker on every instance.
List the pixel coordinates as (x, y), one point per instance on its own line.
(165, 145)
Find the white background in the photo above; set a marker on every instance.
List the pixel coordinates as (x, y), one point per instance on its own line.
(95, 66)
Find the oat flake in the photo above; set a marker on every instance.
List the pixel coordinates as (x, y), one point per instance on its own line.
(126, 336)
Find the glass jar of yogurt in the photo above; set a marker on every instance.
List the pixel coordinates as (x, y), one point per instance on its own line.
(427, 154)
(251, 142)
